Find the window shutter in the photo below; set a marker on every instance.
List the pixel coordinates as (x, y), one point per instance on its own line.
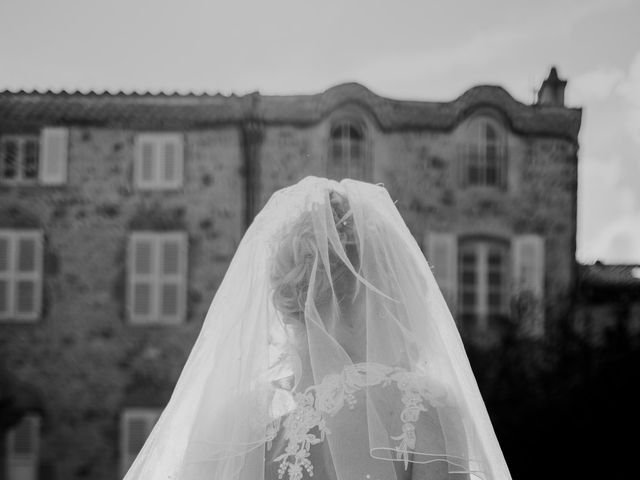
(158, 264)
(172, 278)
(159, 160)
(442, 255)
(172, 161)
(142, 268)
(23, 445)
(5, 270)
(53, 155)
(528, 280)
(145, 162)
(136, 426)
(20, 274)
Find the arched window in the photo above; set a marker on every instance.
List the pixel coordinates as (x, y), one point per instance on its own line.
(483, 280)
(485, 158)
(348, 152)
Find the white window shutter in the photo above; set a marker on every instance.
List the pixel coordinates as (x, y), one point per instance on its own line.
(528, 280)
(172, 277)
(136, 425)
(142, 277)
(21, 262)
(159, 160)
(6, 257)
(54, 144)
(442, 255)
(23, 449)
(172, 160)
(157, 277)
(144, 162)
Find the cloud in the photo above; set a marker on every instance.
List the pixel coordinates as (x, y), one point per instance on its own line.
(596, 85)
(629, 90)
(609, 219)
(618, 242)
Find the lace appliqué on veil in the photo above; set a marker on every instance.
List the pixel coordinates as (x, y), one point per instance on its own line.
(327, 398)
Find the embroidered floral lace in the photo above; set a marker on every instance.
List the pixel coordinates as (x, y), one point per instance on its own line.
(326, 399)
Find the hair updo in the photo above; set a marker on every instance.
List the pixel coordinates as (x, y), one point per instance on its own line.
(294, 256)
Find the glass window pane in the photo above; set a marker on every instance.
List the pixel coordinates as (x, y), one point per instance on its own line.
(31, 159)
(355, 150)
(491, 134)
(354, 132)
(336, 151)
(492, 176)
(9, 159)
(495, 258)
(474, 175)
(468, 277)
(468, 300)
(495, 278)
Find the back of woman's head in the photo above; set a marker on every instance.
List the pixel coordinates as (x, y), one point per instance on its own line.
(295, 254)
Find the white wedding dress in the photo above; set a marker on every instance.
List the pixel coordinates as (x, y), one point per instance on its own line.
(328, 352)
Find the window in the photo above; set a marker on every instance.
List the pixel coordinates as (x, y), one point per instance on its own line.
(157, 277)
(348, 152)
(33, 158)
(483, 281)
(23, 446)
(135, 426)
(20, 274)
(19, 158)
(481, 276)
(485, 155)
(158, 161)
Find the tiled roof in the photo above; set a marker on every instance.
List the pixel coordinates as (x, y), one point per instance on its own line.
(602, 276)
(146, 110)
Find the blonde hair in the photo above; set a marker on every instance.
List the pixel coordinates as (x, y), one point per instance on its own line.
(294, 256)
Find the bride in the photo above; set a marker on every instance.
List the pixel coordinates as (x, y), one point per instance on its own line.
(328, 352)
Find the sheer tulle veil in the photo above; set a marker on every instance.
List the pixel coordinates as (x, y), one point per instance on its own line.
(328, 352)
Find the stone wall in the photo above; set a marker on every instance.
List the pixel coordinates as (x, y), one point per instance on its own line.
(83, 356)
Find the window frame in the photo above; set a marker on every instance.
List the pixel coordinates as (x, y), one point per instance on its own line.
(359, 167)
(481, 314)
(28, 460)
(12, 276)
(475, 154)
(155, 278)
(158, 142)
(147, 414)
(22, 139)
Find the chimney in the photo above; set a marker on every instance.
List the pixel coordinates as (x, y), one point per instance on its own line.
(552, 90)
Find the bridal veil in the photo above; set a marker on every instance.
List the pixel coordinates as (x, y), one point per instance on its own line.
(329, 352)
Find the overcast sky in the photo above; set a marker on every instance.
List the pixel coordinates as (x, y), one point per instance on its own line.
(423, 50)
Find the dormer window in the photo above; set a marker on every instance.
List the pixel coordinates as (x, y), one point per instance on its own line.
(348, 152)
(485, 155)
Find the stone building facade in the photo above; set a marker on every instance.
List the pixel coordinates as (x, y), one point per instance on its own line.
(119, 214)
